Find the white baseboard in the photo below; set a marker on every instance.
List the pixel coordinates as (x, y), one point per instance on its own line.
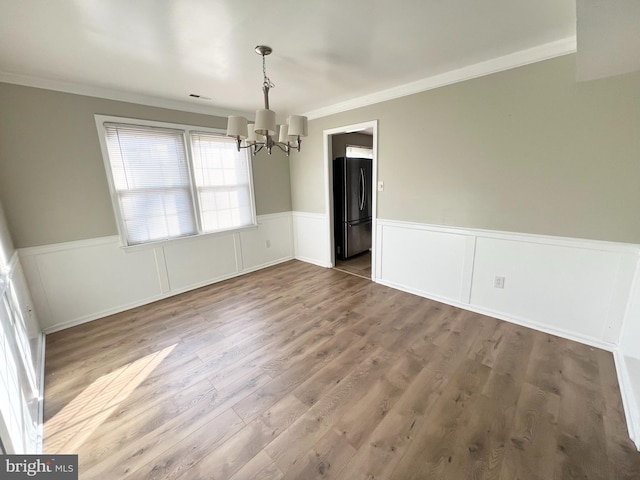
(56, 327)
(314, 261)
(501, 316)
(145, 301)
(629, 402)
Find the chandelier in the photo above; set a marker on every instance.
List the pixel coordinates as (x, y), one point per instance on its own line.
(259, 135)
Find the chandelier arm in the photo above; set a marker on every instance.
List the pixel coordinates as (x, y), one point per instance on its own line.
(240, 146)
(285, 147)
(258, 147)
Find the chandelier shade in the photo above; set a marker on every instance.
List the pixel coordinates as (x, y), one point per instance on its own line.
(259, 134)
(265, 122)
(298, 125)
(237, 127)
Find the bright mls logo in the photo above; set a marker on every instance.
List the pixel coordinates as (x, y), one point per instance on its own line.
(50, 467)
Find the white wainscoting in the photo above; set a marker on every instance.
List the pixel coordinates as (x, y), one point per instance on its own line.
(628, 362)
(310, 237)
(21, 364)
(76, 282)
(628, 370)
(577, 289)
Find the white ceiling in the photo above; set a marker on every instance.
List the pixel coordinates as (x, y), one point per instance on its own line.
(326, 52)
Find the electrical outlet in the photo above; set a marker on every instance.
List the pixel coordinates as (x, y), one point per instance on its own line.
(498, 282)
(268, 243)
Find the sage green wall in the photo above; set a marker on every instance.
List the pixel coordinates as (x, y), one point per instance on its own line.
(526, 150)
(52, 178)
(6, 244)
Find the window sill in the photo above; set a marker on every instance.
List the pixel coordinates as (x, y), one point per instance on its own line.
(179, 240)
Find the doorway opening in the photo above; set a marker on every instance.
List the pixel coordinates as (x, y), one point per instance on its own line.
(351, 174)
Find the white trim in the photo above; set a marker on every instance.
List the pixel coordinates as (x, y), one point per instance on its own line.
(313, 216)
(161, 268)
(272, 216)
(6, 273)
(313, 261)
(41, 366)
(467, 274)
(629, 403)
(237, 251)
(6, 278)
(92, 242)
(328, 182)
(118, 95)
(600, 245)
(188, 238)
(501, 316)
(495, 65)
(515, 236)
(71, 245)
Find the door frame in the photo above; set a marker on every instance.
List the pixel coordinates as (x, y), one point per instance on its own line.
(328, 184)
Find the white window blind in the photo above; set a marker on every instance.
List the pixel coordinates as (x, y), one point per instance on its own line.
(151, 181)
(222, 181)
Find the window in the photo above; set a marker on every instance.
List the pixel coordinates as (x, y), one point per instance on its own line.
(359, 152)
(222, 182)
(172, 181)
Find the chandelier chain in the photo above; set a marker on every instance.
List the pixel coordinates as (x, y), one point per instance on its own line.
(267, 81)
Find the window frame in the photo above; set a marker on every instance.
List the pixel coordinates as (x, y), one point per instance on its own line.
(186, 130)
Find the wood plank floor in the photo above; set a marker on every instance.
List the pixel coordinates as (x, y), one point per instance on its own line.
(358, 265)
(301, 372)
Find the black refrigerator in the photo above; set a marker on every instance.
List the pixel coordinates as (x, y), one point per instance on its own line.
(352, 192)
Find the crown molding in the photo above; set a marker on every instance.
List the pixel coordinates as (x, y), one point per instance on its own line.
(499, 64)
(117, 95)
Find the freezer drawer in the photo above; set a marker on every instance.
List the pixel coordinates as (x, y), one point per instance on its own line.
(357, 239)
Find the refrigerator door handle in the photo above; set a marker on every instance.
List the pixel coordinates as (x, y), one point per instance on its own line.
(362, 189)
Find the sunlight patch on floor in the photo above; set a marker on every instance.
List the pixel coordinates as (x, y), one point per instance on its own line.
(74, 424)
